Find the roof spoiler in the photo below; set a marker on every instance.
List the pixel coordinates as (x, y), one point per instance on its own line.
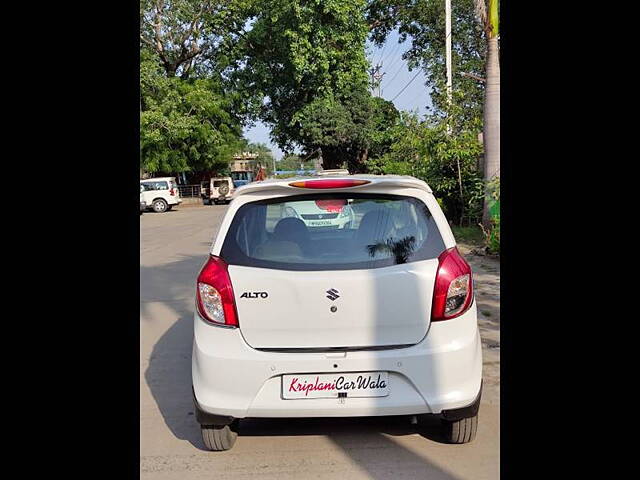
(375, 183)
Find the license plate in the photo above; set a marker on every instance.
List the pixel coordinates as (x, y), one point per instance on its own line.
(330, 385)
(320, 223)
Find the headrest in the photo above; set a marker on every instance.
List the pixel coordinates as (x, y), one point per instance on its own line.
(291, 230)
(374, 226)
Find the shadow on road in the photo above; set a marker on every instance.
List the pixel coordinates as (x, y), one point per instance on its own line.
(168, 374)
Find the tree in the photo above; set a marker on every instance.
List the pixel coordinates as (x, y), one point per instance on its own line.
(265, 156)
(294, 162)
(475, 52)
(185, 125)
(424, 22)
(347, 131)
(491, 136)
(186, 34)
(306, 60)
(426, 150)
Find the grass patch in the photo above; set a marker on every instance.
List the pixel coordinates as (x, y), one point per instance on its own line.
(470, 235)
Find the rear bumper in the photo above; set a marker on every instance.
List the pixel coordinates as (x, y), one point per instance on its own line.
(442, 373)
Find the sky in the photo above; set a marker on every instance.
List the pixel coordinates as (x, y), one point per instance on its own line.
(415, 97)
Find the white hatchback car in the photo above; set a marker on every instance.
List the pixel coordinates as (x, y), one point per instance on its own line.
(375, 319)
(320, 213)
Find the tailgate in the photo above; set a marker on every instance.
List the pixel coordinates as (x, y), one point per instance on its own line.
(350, 308)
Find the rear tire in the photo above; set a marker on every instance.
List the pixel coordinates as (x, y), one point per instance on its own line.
(461, 431)
(159, 206)
(218, 438)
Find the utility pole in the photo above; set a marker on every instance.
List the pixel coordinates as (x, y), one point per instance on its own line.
(447, 32)
(447, 13)
(376, 77)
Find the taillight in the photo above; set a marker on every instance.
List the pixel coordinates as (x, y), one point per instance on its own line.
(214, 294)
(172, 192)
(331, 183)
(453, 291)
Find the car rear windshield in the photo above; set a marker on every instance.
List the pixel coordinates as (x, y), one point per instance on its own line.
(332, 232)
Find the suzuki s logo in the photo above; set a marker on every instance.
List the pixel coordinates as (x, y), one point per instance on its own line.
(332, 294)
(254, 295)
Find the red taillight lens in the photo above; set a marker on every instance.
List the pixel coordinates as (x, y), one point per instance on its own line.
(214, 294)
(172, 192)
(453, 291)
(330, 183)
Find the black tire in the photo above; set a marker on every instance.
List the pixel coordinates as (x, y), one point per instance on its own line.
(159, 205)
(461, 431)
(217, 438)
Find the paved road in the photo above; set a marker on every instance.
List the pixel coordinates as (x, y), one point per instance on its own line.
(173, 247)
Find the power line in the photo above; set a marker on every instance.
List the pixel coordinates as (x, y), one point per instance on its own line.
(397, 73)
(394, 51)
(397, 58)
(384, 47)
(403, 88)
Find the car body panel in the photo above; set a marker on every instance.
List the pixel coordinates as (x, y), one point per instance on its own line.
(443, 371)
(373, 307)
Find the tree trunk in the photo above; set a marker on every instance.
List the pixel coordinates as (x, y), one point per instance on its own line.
(491, 130)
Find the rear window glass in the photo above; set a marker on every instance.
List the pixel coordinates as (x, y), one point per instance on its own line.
(150, 186)
(332, 232)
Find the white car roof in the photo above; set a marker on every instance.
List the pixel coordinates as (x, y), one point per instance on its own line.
(156, 178)
(282, 185)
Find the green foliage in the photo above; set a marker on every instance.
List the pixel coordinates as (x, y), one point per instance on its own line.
(424, 22)
(265, 156)
(471, 235)
(185, 125)
(494, 18)
(306, 60)
(347, 131)
(492, 235)
(293, 162)
(186, 35)
(447, 162)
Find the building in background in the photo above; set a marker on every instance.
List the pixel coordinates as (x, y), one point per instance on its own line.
(243, 166)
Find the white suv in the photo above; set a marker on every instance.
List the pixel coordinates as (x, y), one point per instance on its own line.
(378, 318)
(161, 194)
(217, 190)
